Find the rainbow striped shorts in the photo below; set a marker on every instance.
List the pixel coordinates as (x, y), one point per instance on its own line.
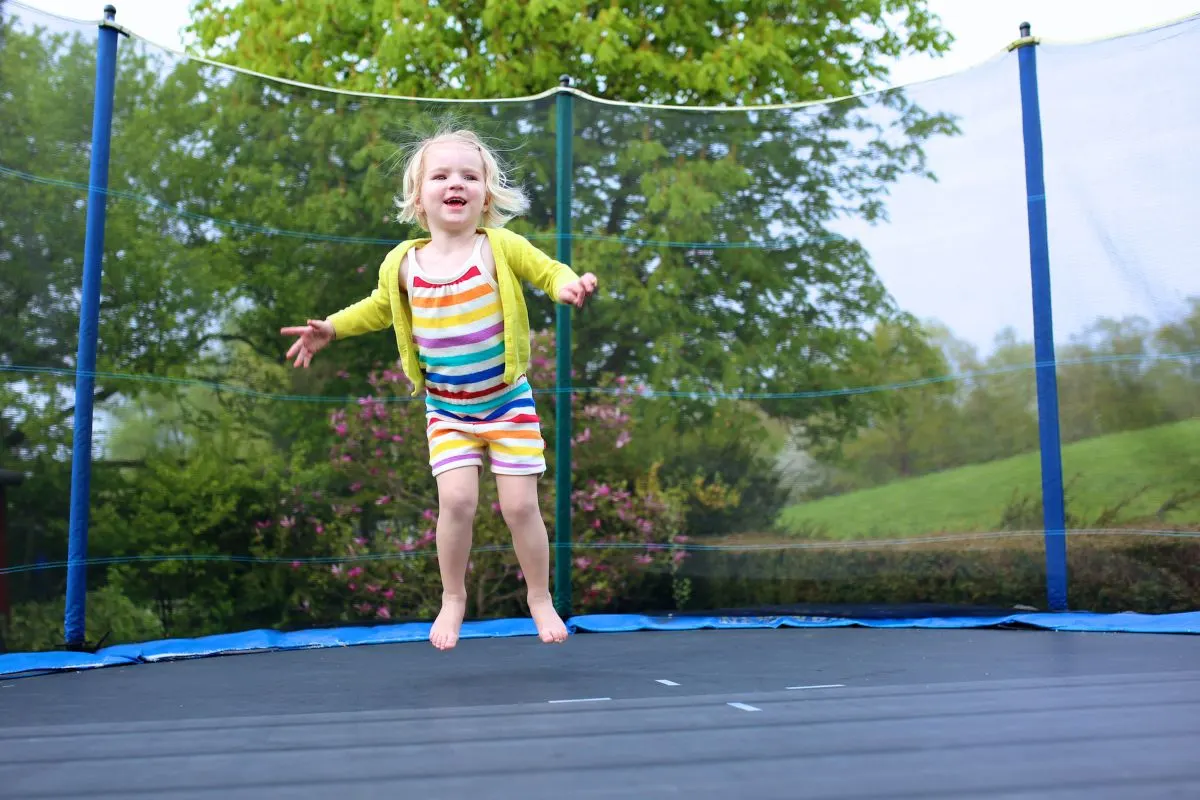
(511, 435)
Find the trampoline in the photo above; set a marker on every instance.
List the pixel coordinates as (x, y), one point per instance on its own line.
(836, 711)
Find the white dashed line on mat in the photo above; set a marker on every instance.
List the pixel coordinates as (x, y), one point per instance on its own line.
(582, 700)
(666, 682)
(743, 707)
(821, 686)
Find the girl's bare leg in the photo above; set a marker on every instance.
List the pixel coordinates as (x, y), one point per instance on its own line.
(458, 495)
(519, 505)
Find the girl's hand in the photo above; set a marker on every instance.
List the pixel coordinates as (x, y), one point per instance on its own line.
(576, 292)
(313, 336)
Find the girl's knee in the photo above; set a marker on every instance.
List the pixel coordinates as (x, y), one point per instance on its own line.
(458, 504)
(521, 507)
(458, 499)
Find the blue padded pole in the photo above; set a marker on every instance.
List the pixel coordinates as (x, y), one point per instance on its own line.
(89, 318)
(1053, 511)
(562, 406)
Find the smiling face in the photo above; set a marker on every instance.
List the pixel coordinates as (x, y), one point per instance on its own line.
(453, 191)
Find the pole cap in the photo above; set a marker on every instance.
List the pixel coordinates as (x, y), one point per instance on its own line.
(1026, 38)
(564, 80)
(110, 12)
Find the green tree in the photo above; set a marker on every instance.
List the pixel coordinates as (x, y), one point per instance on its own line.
(915, 425)
(1103, 382)
(1179, 375)
(163, 298)
(1000, 409)
(779, 303)
(749, 52)
(44, 124)
(1115, 376)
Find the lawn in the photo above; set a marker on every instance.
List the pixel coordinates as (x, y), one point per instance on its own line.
(1101, 473)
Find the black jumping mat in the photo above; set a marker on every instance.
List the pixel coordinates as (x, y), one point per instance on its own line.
(784, 713)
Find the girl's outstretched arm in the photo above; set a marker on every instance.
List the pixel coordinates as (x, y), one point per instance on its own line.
(370, 314)
(553, 277)
(373, 312)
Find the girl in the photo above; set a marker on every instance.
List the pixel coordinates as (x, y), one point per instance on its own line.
(455, 302)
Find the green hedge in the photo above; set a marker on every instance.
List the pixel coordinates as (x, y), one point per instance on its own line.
(38, 626)
(1105, 574)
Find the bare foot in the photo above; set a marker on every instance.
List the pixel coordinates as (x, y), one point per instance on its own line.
(444, 633)
(549, 625)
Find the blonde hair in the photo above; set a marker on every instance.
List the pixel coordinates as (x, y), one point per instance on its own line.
(502, 201)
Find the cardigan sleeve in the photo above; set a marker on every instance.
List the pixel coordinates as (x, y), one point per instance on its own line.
(372, 313)
(531, 264)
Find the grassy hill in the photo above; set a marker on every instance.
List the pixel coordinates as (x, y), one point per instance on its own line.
(1132, 474)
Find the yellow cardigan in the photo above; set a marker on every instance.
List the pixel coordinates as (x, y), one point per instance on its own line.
(515, 259)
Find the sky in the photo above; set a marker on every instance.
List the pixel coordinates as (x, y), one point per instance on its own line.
(1119, 121)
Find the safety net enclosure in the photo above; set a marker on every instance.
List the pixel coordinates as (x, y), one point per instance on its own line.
(809, 381)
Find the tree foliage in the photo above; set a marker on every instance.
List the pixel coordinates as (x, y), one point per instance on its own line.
(750, 52)
(240, 204)
(966, 408)
(711, 230)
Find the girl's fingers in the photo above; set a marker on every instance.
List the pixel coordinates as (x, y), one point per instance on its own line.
(309, 339)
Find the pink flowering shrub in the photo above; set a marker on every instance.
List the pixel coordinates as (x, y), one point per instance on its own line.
(372, 528)
(621, 536)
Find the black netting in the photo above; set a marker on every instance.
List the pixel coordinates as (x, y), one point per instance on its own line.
(807, 381)
(827, 347)
(1120, 180)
